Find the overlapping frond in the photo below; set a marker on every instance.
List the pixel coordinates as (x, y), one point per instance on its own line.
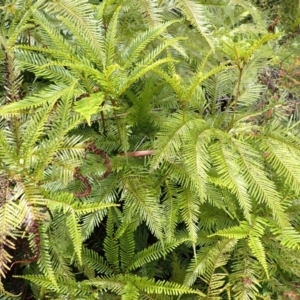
(206, 265)
(143, 203)
(196, 14)
(80, 15)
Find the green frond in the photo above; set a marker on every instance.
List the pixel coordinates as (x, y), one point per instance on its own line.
(60, 241)
(199, 78)
(30, 199)
(111, 37)
(86, 208)
(64, 288)
(250, 95)
(18, 25)
(73, 226)
(190, 211)
(151, 10)
(171, 208)
(197, 15)
(150, 286)
(258, 251)
(105, 194)
(89, 106)
(225, 161)
(237, 232)
(60, 48)
(245, 273)
(11, 219)
(154, 252)
(45, 259)
(80, 15)
(138, 45)
(127, 249)
(139, 71)
(171, 138)
(143, 203)
(96, 262)
(196, 156)
(262, 189)
(131, 292)
(283, 158)
(111, 244)
(45, 67)
(8, 153)
(207, 262)
(288, 237)
(49, 95)
(216, 86)
(34, 130)
(251, 9)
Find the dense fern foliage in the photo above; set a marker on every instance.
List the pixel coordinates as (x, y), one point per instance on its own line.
(148, 150)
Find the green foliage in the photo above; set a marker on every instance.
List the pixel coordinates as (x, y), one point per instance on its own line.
(145, 154)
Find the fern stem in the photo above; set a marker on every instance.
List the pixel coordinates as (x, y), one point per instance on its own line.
(236, 98)
(183, 107)
(42, 293)
(103, 122)
(113, 102)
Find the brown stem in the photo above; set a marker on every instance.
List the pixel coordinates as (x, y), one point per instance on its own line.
(141, 153)
(87, 186)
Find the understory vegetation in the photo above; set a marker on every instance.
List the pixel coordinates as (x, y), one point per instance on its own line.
(149, 149)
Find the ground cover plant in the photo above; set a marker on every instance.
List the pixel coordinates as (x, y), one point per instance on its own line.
(148, 150)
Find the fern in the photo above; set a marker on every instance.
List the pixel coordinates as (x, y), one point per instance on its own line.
(145, 153)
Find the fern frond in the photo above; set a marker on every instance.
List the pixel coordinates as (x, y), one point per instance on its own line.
(190, 211)
(139, 71)
(49, 95)
(154, 252)
(262, 189)
(45, 67)
(95, 262)
(258, 251)
(138, 45)
(237, 232)
(76, 16)
(283, 158)
(151, 10)
(196, 156)
(111, 244)
(11, 219)
(106, 193)
(117, 283)
(131, 292)
(225, 161)
(197, 15)
(56, 44)
(66, 287)
(199, 78)
(127, 247)
(171, 138)
(248, 7)
(45, 260)
(289, 237)
(245, 273)
(171, 208)
(72, 223)
(142, 202)
(111, 38)
(206, 265)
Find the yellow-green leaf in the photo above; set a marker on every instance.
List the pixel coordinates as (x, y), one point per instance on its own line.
(89, 106)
